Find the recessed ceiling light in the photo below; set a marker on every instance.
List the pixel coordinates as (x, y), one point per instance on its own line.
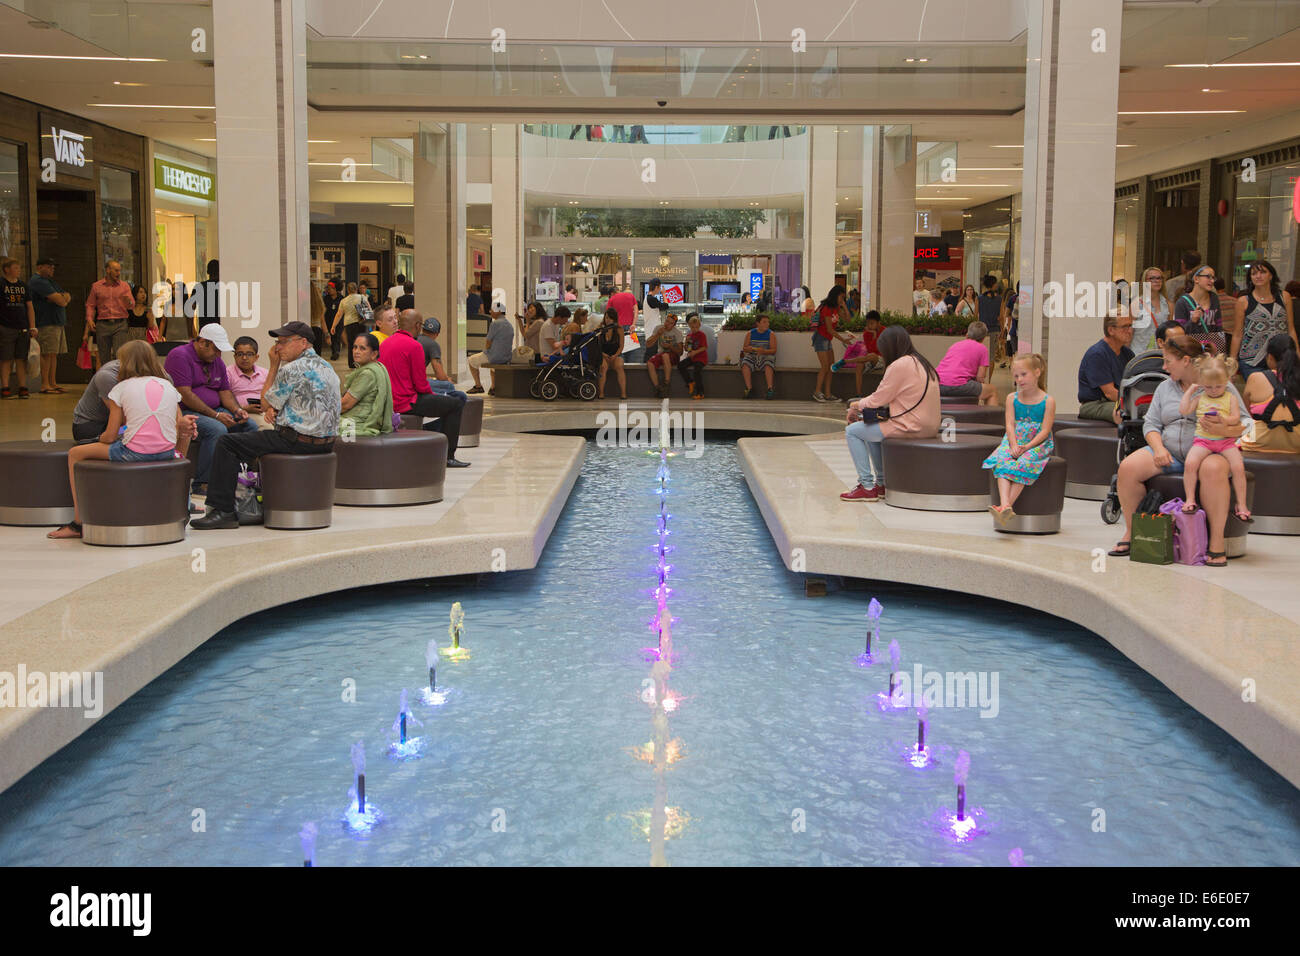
(1176, 112)
(1208, 90)
(1009, 146)
(151, 106)
(925, 59)
(107, 59)
(910, 59)
(322, 140)
(120, 83)
(1209, 66)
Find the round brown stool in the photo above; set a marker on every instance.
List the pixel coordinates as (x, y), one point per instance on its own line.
(978, 428)
(974, 414)
(130, 503)
(1276, 508)
(298, 490)
(400, 468)
(1235, 530)
(1090, 462)
(34, 487)
(1038, 509)
(1062, 422)
(930, 474)
(471, 422)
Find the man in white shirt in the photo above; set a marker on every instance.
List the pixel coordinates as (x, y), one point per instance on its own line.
(552, 334)
(397, 290)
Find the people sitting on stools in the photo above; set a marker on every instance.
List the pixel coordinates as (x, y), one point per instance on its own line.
(669, 341)
(301, 403)
(403, 357)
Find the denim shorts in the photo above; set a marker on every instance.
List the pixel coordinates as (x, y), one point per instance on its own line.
(820, 343)
(1175, 467)
(119, 452)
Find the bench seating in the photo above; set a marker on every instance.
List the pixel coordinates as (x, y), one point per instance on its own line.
(1090, 461)
(931, 474)
(298, 490)
(1276, 508)
(400, 468)
(34, 487)
(130, 503)
(1038, 509)
(1235, 530)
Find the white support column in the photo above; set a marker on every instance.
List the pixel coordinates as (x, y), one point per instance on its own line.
(819, 212)
(439, 190)
(260, 85)
(1071, 98)
(507, 218)
(888, 216)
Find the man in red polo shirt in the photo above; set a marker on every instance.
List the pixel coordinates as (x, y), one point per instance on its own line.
(624, 303)
(403, 357)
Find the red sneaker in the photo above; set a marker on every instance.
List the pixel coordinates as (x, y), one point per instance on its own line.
(860, 494)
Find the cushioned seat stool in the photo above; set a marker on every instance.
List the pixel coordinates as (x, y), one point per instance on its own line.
(34, 487)
(978, 428)
(1062, 422)
(298, 490)
(1276, 508)
(1038, 509)
(400, 468)
(1090, 461)
(974, 414)
(128, 503)
(930, 474)
(1235, 530)
(471, 422)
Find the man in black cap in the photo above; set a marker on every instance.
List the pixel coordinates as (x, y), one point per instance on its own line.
(50, 302)
(301, 401)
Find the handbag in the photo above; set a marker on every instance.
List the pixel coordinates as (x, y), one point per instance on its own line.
(152, 335)
(870, 415)
(1191, 532)
(33, 357)
(84, 360)
(523, 355)
(1153, 539)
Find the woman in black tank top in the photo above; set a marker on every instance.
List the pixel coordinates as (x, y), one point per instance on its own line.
(611, 346)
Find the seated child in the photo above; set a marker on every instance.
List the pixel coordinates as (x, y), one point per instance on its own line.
(1211, 399)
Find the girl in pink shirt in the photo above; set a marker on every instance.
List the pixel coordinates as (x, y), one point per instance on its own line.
(144, 421)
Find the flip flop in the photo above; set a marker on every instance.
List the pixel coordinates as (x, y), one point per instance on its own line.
(1121, 550)
(1216, 554)
(71, 526)
(50, 391)
(1243, 515)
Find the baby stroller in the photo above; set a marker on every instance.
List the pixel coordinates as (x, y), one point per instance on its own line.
(1141, 377)
(574, 373)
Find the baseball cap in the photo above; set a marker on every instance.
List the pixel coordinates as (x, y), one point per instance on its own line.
(215, 334)
(432, 326)
(46, 261)
(294, 328)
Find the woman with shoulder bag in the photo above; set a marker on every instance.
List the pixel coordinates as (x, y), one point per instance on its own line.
(1199, 313)
(906, 402)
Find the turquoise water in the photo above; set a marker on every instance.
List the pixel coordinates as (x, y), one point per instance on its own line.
(786, 758)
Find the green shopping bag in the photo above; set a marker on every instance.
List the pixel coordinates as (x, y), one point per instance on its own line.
(1153, 539)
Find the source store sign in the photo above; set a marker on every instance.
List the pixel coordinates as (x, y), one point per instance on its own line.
(185, 180)
(69, 145)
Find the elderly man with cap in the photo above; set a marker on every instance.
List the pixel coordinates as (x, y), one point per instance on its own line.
(405, 361)
(200, 376)
(301, 401)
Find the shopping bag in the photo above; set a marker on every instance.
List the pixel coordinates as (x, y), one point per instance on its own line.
(153, 335)
(1191, 532)
(1153, 539)
(523, 355)
(84, 361)
(248, 500)
(33, 357)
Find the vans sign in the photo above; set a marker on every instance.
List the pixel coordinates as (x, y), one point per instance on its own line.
(67, 145)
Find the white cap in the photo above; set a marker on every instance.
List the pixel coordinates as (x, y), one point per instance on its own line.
(215, 334)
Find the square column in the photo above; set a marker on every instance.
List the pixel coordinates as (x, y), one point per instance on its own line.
(507, 219)
(439, 190)
(819, 211)
(1071, 98)
(260, 83)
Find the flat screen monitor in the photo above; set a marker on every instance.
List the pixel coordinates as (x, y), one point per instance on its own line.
(670, 294)
(716, 289)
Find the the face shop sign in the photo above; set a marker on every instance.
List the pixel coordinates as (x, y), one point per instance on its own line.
(68, 146)
(185, 180)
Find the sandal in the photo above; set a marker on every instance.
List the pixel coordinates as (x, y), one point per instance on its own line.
(72, 527)
(23, 393)
(1243, 515)
(1216, 554)
(50, 391)
(1189, 507)
(1121, 550)
(6, 393)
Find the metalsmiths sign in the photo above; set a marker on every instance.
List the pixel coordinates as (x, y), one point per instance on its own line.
(677, 265)
(69, 146)
(186, 180)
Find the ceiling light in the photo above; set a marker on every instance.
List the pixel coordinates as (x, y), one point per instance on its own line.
(1175, 112)
(1208, 90)
(989, 169)
(120, 83)
(337, 164)
(1207, 66)
(910, 59)
(322, 140)
(400, 205)
(925, 59)
(1009, 146)
(107, 59)
(151, 106)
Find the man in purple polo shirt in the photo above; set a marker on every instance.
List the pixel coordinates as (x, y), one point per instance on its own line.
(200, 376)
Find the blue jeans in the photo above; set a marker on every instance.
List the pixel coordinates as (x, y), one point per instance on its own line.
(210, 432)
(1247, 370)
(1175, 467)
(866, 445)
(119, 452)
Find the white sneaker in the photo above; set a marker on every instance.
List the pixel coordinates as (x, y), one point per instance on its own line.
(831, 398)
(818, 397)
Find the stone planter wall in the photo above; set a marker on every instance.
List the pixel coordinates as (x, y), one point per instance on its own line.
(794, 349)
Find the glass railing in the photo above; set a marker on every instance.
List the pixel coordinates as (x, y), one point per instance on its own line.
(663, 135)
(146, 30)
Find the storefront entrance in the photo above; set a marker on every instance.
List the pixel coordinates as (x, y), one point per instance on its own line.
(67, 230)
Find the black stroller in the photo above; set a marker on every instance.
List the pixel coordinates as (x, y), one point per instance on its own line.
(1142, 376)
(574, 373)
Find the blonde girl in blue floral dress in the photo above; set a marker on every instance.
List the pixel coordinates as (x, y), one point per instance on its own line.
(1028, 444)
